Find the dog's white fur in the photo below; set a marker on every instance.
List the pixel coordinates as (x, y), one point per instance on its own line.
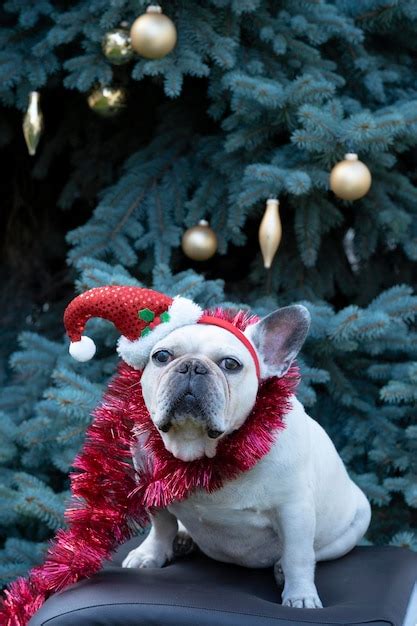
(295, 507)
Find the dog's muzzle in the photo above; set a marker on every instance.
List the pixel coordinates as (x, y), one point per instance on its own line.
(192, 390)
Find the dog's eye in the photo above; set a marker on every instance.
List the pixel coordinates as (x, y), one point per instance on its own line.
(230, 364)
(162, 356)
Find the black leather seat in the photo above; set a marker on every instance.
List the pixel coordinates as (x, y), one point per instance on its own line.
(368, 586)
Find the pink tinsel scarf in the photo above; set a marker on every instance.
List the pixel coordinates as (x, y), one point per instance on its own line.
(110, 497)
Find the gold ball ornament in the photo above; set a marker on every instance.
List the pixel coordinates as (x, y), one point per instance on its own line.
(350, 179)
(117, 47)
(33, 122)
(107, 101)
(199, 243)
(153, 34)
(270, 232)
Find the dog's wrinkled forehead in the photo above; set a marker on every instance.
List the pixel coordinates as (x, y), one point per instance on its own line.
(209, 341)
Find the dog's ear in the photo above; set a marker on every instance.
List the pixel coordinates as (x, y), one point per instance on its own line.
(278, 338)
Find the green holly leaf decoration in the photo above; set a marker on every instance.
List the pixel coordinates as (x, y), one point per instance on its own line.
(165, 317)
(145, 331)
(146, 315)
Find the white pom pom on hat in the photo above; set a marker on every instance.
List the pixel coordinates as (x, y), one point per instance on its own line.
(82, 350)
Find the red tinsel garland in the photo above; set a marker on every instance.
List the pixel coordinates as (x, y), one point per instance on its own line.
(110, 498)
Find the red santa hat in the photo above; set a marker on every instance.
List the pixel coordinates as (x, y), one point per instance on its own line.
(142, 316)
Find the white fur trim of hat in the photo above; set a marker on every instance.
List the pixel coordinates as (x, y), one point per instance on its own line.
(136, 353)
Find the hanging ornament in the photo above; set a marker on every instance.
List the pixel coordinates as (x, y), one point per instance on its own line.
(153, 34)
(350, 179)
(270, 231)
(107, 101)
(199, 243)
(117, 47)
(33, 122)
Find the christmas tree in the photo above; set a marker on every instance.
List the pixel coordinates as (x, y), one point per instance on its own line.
(257, 100)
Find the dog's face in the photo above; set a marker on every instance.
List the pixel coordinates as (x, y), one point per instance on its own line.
(200, 382)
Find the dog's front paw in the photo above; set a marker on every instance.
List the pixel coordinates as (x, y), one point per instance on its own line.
(299, 600)
(143, 557)
(183, 544)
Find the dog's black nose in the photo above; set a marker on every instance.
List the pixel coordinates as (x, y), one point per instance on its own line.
(193, 366)
(214, 434)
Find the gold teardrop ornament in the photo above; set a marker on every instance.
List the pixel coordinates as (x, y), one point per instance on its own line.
(33, 123)
(270, 232)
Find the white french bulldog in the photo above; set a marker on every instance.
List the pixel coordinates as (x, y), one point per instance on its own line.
(296, 506)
